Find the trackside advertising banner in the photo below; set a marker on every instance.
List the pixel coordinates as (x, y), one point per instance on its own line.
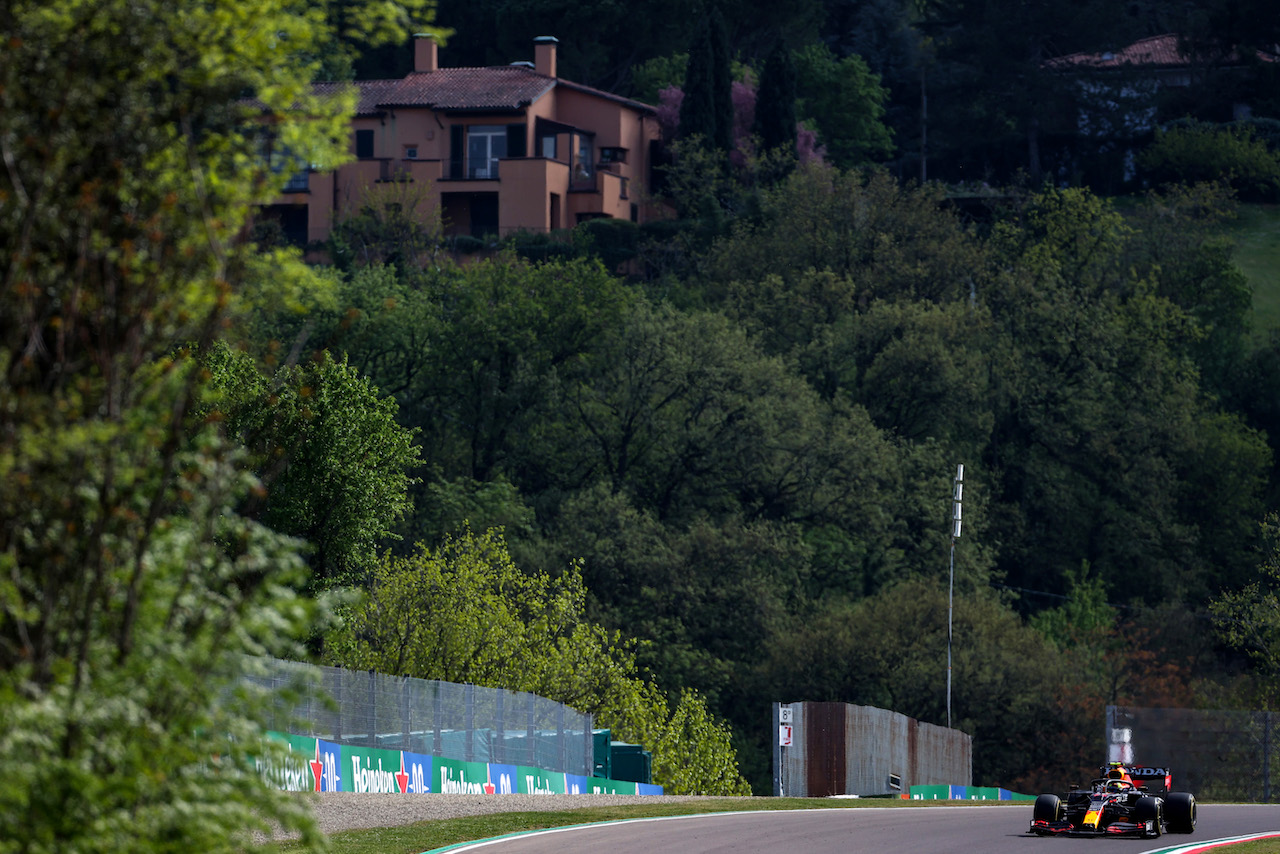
(315, 765)
(303, 764)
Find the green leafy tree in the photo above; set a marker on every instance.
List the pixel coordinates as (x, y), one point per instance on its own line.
(1247, 620)
(876, 239)
(466, 613)
(1204, 152)
(133, 587)
(1178, 244)
(1081, 333)
(507, 329)
(662, 72)
(685, 413)
(327, 446)
(846, 102)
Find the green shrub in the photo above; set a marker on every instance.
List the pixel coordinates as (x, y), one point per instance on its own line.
(1198, 152)
(613, 241)
(541, 246)
(465, 244)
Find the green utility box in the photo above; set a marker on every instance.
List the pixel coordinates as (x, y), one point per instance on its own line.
(630, 762)
(600, 741)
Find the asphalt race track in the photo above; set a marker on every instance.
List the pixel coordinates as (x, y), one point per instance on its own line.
(938, 830)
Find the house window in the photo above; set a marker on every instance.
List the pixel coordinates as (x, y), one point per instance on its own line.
(549, 146)
(411, 152)
(299, 182)
(364, 144)
(584, 169)
(613, 154)
(485, 145)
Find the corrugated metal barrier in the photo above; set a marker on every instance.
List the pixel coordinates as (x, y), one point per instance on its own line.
(842, 749)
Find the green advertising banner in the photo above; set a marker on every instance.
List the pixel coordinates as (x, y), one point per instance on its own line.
(601, 786)
(535, 781)
(289, 769)
(462, 778)
(371, 769)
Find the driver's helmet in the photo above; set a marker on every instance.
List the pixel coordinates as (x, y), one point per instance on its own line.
(1114, 785)
(1119, 772)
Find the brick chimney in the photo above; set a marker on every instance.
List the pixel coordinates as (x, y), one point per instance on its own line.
(544, 55)
(426, 53)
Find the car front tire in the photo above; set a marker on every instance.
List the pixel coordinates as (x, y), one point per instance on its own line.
(1148, 810)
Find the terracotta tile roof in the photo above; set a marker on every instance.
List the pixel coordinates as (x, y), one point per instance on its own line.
(372, 92)
(1153, 52)
(1156, 50)
(502, 87)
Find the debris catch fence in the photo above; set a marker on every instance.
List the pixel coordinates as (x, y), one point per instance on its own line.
(1214, 754)
(444, 719)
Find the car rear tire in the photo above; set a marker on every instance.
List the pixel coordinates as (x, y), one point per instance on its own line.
(1180, 809)
(1047, 808)
(1148, 809)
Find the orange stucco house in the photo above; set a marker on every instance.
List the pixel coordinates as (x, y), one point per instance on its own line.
(495, 150)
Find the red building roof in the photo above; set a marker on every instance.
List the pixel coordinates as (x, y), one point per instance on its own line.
(1156, 50)
(496, 88)
(1152, 52)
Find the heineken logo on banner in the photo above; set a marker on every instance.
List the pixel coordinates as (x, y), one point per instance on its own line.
(463, 778)
(287, 770)
(376, 770)
(535, 781)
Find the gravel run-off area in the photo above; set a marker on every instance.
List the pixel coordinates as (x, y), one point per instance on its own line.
(338, 811)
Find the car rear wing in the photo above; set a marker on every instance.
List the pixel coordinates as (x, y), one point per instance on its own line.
(1151, 777)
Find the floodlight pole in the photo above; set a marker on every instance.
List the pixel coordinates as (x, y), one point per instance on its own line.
(957, 497)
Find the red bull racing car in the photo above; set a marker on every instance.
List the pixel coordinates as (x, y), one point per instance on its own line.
(1127, 800)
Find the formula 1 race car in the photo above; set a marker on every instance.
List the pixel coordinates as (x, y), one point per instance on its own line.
(1127, 800)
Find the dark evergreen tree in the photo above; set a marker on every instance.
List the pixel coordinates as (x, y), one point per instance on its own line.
(721, 81)
(775, 121)
(707, 108)
(697, 110)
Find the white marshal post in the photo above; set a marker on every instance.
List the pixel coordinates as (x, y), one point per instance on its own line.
(957, 498)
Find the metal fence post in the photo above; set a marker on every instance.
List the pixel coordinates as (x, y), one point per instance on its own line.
(373, 709)
(1266, 757)
(469, 713)
(562, 743)
(777, 750)
(499, 728)
(406, 730)
(437, 742)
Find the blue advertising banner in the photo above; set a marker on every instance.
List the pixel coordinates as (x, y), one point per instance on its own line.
(576, 784)
(504, 778)
(417, 770)
(327, 766)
